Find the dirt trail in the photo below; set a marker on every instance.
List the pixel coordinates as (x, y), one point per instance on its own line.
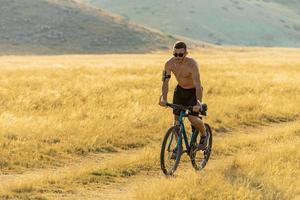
(127, 189)
(91, 161)
(118, 189)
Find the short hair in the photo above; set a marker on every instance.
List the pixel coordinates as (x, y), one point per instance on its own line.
(180, 45)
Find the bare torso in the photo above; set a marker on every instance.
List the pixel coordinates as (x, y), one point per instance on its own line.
(182, 71)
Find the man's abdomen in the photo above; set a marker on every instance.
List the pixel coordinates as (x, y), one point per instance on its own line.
(185, 83)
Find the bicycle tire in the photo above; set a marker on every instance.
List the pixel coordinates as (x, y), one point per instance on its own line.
(206, 152)
(162, 153)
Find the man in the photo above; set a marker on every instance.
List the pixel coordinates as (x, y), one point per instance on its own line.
(188, 92)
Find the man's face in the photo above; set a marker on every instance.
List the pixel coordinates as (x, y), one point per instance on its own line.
(179, 54)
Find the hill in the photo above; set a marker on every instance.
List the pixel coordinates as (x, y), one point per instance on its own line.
(69, 26)
(231, 22)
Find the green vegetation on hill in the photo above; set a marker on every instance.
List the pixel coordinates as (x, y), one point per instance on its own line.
(231, 22)
(56, 27)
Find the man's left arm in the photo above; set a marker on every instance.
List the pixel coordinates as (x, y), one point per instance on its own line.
(197, 82)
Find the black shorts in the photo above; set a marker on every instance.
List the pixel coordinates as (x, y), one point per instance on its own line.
(185, 97)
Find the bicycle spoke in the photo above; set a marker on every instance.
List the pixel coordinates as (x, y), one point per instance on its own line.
(170, 141)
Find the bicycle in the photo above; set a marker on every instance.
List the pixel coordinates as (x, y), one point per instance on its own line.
(175, 150)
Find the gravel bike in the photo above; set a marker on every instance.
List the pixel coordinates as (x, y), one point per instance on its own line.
(172, 145)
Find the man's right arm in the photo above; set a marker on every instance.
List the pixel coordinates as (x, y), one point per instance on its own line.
(166, 75)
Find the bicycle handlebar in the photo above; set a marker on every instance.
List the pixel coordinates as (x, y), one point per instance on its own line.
(189, 108)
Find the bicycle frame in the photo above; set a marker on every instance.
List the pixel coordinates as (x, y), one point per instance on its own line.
(184, 134)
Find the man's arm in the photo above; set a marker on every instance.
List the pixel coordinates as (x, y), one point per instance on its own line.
(197, 81)
(166, 75)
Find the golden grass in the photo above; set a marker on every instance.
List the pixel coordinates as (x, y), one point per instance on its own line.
(88, 174)
(56, 108)
(265, 167)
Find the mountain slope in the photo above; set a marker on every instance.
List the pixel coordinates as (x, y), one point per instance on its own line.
(235, 22)
(69, 26)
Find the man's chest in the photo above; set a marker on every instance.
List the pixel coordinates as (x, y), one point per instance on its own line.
(181, 71)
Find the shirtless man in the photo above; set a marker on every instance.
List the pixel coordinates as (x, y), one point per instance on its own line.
(188, 92)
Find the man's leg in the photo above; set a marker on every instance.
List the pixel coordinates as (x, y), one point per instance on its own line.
(176, 118)
(198, 124)
(176, 122)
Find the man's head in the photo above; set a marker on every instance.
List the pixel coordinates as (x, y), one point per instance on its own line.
(179, 50)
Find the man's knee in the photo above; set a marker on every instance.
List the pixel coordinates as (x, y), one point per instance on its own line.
(195, 120)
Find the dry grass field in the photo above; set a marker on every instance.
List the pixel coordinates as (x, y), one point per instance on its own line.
(89, 126)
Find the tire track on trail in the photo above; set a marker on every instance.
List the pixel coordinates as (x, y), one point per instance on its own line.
(127, 185)
(90, 162)
(127, 189)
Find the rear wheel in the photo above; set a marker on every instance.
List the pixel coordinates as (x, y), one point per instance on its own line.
(171, 150)
(200, 158)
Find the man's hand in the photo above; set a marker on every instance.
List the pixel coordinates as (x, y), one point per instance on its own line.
(197, 107)
(162, 102)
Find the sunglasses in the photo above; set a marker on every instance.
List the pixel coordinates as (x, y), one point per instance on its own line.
(178, 54)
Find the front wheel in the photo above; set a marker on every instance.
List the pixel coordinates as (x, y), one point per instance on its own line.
(200, 158)
(171, 150)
